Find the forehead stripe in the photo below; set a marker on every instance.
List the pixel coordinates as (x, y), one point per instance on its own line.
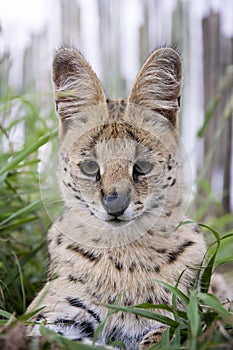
(114, 131)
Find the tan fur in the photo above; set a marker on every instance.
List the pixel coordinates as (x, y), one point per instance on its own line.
(95, 257)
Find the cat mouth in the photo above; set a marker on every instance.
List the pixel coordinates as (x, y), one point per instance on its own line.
(118, 222)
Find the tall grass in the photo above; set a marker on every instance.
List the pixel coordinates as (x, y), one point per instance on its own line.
(204, 324)
(23, 220)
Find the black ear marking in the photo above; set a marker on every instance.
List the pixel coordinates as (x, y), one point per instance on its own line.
(178, 100)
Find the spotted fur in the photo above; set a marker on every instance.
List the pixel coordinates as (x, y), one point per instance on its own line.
(119, 235)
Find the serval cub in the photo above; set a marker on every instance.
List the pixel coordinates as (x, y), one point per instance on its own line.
(121, 180)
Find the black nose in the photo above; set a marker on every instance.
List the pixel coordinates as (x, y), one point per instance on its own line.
(115, 204)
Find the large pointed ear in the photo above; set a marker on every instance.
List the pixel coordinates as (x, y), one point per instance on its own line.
(76, 85)
(158, 84)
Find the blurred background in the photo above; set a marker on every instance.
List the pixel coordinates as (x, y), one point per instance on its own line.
(115, 36)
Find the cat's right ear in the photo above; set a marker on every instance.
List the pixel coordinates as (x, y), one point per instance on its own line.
(158, 84)
(76, 85)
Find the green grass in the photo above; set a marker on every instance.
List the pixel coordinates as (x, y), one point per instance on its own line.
(23, 220)
(26, 213)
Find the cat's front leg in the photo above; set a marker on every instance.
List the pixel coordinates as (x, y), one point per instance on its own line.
(152, 338)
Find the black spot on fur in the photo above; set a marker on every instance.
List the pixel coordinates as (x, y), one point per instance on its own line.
(173, 255)
(75, 302)
(157, 268)
(173, 182)
(95, 295)
(150, 232)
(82, 279)
(59, 239)
(40, 317)
(132, 266)
(146, 342)
(118, 265)
(161, 250)
(128, 302)
(74, 189)
(164, 300)
(91, 256)
(149, 300)
(71, 278)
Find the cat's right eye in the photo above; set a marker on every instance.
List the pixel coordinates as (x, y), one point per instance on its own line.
(89, 168)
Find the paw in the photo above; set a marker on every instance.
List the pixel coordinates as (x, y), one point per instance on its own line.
(152, 338)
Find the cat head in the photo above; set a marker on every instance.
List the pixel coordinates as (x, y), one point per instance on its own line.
(119, 159)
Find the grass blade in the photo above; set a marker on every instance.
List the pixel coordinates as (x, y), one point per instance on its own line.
(21, 155)
(144, 313)
(28, 209)
(194, 320)
(6, 314)
(65, 343)
(213, 302)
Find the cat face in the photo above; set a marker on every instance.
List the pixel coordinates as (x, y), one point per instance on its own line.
(119, 158)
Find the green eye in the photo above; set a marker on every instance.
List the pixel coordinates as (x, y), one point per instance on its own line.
(89, 168)
(142, 167)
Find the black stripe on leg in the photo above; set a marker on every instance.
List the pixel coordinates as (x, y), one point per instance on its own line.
(79, 303)
(86, 328)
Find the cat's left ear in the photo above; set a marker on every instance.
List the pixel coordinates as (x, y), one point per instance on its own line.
(158, 84)
(76, 88)
(75, 81)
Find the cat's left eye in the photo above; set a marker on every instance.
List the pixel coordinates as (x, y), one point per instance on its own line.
(89, 168)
